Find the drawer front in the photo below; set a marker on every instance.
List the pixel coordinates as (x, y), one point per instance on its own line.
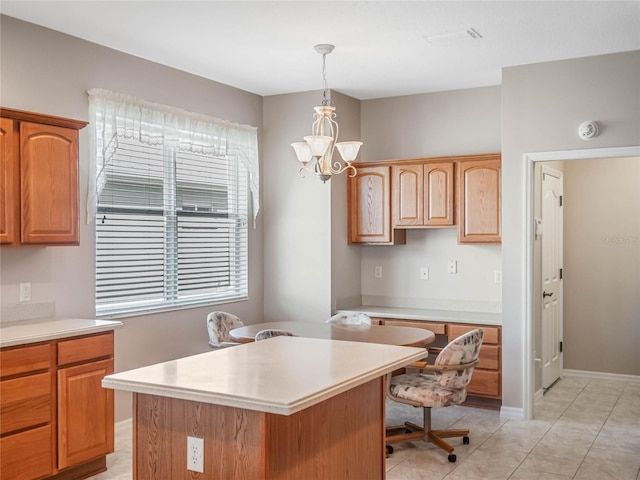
(437, 328)
(491, 334)
(85, 348)
(26, 455)
(20, 360)
(484, 382)
(25, 402)
(489, 357)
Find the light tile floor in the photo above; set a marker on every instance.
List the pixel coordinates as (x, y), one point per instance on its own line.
(583, 430)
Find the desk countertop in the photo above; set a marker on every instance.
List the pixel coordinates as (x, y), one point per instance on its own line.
(480, 318)
(281, 375)
(32, 331)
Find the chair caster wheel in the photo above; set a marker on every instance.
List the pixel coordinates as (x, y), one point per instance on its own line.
(452, 457)
(389, 449)
(465, 440)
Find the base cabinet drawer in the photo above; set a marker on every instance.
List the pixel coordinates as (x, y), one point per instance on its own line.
(486, 383)
(25, 402)
(26, 455)
(437, 328)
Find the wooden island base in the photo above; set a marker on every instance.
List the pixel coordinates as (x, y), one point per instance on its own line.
(339, 438)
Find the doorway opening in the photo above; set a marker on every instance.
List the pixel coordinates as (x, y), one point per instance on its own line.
(533, 360)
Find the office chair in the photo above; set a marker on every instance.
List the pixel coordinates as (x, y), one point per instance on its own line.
(452, 372)
(272, 332)
(219, 324)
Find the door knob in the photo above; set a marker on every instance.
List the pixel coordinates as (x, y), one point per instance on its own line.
(545, 294)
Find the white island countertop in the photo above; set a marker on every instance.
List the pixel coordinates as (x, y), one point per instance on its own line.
(31, 331)
(281, 375)
(451, 316)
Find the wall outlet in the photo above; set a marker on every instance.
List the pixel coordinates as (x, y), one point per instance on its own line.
(424, 273)
(377, 272)
(452, 266)
(195, 454)
(497, 276)
(25, 292)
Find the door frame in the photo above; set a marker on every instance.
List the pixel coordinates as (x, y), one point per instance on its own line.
(528, 331)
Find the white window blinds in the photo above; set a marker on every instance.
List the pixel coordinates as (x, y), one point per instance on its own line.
(171, 224)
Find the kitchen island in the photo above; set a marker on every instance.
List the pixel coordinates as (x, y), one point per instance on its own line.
(283, 408)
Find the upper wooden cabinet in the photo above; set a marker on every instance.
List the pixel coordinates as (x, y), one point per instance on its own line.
(479, 201)
(39, 168)
(369, 207)
(387, 198)
(423, 195)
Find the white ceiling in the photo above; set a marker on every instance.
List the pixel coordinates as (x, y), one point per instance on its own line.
(266, 47)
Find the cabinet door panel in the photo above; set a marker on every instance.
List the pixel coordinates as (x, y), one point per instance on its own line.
(484, 382)
(85, 413)
(9, 184)
(438, 194)
(407, 181)
(369, 206)
(479, 204)
(49, 189)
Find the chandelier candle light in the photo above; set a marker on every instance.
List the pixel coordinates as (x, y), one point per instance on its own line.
(316, 152)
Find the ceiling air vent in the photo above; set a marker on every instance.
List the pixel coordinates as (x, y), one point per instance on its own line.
(455, 38)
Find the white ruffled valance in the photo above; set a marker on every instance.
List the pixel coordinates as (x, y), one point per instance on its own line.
(125, 116)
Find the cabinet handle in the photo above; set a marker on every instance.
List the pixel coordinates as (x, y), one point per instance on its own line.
(545, 294)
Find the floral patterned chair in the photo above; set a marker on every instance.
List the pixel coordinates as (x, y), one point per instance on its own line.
(451, 373)
(354, 318)
(219, 324)
(272, 332)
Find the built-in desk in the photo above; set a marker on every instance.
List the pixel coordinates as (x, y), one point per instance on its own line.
(283, 408)
(486, 383)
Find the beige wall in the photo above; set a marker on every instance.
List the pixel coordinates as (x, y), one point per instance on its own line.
(48, 72)
(542, 107)
(448, 123)
(602, 265)
(307, 265)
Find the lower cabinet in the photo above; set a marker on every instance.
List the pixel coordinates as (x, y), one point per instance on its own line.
(486, 380)
(56, 420)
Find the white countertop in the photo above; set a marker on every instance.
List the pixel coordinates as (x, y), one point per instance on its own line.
(452, 316)
(32, 331)
(281, 375)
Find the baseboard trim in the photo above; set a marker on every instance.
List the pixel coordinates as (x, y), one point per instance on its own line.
(602, 375)
(512, 412)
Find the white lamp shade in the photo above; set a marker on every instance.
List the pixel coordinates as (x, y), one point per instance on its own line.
(303, 152)
(348, 150)
(318, 144)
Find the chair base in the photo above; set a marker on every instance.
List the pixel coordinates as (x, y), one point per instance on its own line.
(410, 431)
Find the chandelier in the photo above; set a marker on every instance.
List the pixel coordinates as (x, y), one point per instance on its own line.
(316, 152)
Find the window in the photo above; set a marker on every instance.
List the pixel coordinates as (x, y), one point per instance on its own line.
(171, 224)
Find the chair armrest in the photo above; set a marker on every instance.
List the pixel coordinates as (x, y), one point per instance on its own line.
(445, 368)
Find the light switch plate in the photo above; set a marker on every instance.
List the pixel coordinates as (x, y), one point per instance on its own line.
(424, 273)
(452, 266)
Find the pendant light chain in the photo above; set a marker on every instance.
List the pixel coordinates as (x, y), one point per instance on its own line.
(326, 100)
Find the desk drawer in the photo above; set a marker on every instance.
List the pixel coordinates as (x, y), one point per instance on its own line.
(20, 360)
(484, 382)
(25, 402)
(489, 357)
(86, 348)
(491, 334)
(437, 328)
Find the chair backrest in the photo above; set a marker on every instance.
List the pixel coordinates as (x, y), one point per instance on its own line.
(354, 318)
(272, 332)
(219, 324)
(460, 351)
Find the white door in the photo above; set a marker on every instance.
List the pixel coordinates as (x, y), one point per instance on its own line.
(551, 276)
